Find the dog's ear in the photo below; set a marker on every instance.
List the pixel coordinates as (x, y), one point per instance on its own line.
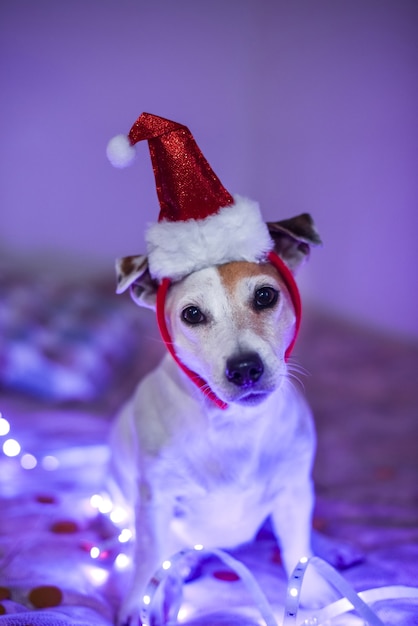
(132, 272)
(293, 239)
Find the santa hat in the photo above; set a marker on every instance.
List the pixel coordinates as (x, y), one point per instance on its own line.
(200, 224)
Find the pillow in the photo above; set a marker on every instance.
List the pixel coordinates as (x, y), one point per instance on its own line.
(63, 340)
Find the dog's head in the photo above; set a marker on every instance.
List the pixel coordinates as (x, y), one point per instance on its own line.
(231, 324)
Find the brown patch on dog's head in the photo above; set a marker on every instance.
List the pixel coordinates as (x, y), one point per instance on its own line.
(231, 273)
(237, 276)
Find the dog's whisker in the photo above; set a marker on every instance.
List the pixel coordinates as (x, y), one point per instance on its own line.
(293, 366)
(294, 381)
(153, 339)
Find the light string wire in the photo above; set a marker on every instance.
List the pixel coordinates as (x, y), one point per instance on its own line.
(389, 592)
(350, 601)
(237, 566)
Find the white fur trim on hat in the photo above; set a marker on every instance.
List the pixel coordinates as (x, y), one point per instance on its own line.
(236, 233)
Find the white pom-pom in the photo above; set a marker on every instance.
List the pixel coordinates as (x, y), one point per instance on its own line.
(120, 152)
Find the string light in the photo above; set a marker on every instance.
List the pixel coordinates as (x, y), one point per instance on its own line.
(118, 515)
(125, 535)
(95, 552)
(50, 462)
(102, 503)
(28, 461)
(240, 569)
(350, 600)
(122, 561)
(97, 575)
(4, 426)
(11, 447)
(95, 500)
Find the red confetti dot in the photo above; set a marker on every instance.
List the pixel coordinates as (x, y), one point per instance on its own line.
(319, 523)
(65, 527)
(5, 593)
(226, 575)
(2, 610)
(45, 499)
(45, 596)
(385, 473)
(104, 555)
(276, 556)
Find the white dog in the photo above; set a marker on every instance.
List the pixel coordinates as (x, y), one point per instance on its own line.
(194, 473)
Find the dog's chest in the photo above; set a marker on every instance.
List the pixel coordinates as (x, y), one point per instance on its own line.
(221, 498)
(225, 516)
(221, 487)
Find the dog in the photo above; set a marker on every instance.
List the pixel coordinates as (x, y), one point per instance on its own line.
(194, 473)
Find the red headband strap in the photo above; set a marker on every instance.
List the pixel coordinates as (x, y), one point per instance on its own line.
(293, 290)
(162, 325)
(287, 276)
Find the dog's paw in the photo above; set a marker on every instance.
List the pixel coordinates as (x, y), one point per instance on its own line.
(129, 613)
(339, 554)
(128, 618)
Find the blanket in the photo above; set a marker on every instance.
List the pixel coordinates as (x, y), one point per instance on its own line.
(62, 562)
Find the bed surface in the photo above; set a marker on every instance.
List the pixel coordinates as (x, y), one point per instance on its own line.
(363, 388)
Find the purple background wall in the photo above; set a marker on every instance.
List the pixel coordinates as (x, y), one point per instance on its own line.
(304, 106)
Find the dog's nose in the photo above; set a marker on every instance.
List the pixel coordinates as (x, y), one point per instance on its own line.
(244, 370)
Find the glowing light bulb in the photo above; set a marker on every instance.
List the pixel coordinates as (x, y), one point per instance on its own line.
(198, 546)
(146, 600)
(11, 447)
(118, 515)
(304, 559)
(166, 565)
(106, 505)
(122, 561)
(95, 552)
(4, 426)
(97, 575)
(184, 613)
(50, 463)
(28, 461)
(293, 592)
(96, 501)
(125, 535)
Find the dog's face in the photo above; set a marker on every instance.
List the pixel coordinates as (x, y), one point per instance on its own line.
(231, 325)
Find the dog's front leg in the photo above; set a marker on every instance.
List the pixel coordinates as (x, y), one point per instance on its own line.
(292, 522)
(152, 546)
(291, 518)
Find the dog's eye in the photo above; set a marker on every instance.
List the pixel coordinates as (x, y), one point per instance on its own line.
(265, 297)
(193, 315)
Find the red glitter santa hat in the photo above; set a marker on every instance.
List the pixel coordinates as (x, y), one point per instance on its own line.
(200, 223)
